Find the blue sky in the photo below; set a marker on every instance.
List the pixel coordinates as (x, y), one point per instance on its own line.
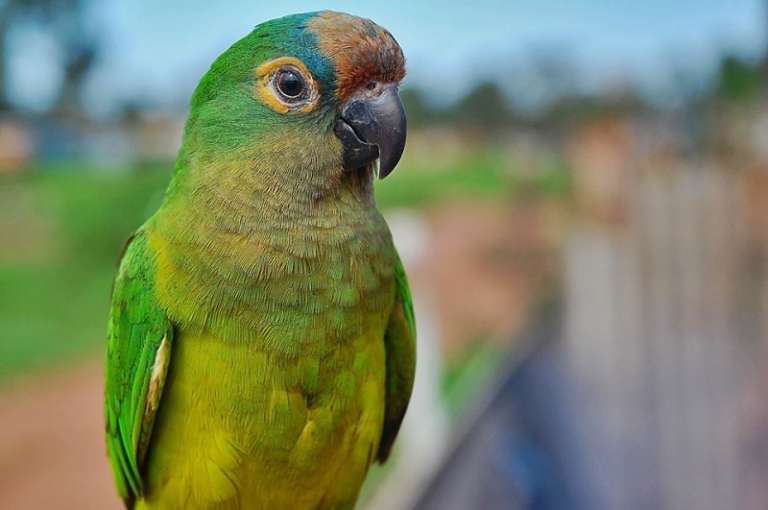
(159, 50)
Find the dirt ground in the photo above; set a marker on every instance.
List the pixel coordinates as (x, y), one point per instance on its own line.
(486, 267)
(52, 453)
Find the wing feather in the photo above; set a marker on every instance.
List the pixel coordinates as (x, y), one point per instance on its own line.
(400, 345)
(139, 341)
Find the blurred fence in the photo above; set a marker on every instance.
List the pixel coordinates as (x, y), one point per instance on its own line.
(663, 326)
(653, 392)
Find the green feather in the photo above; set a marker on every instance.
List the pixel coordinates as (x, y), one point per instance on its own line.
(137, 326)
(400, 342)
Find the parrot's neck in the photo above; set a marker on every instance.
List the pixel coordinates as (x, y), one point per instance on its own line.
(264, 207)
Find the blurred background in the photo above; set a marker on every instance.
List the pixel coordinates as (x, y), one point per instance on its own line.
(582, 208)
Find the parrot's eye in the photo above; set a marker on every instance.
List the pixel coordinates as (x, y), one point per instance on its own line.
(291, 85)
(286, 85)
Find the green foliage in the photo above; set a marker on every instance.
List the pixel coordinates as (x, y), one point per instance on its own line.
(739, 79)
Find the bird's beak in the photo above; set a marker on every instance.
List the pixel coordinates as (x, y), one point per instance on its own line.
(372, 127)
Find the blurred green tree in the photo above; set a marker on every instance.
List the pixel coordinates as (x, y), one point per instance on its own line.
(485, 105)
(420, 112)
(65, 20)
(739, 79)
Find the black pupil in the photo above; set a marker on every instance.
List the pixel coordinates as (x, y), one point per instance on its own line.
(290, 84)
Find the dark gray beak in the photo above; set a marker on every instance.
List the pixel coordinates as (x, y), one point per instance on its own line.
(373, 127)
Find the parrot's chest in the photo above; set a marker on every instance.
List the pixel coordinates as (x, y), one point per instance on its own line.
(248, 424)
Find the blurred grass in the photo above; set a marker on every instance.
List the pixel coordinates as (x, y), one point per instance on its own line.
(58, 302)
(54, 305)
(466, 375)
(474, 176)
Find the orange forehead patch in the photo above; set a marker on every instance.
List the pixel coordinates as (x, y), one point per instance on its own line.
(360, 49)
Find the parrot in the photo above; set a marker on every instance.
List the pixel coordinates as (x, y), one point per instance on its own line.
(261, 336)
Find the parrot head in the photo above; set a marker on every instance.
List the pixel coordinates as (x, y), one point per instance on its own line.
(310, 99)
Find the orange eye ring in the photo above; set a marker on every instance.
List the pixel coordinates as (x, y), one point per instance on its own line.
(286, 85)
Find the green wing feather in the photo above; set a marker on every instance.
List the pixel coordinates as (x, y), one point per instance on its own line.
(139, 341)
(400, 344)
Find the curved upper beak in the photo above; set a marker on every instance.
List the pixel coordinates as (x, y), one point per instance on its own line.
(373, 127)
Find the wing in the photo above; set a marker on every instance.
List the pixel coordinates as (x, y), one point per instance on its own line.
(138, 350)
(400, 344)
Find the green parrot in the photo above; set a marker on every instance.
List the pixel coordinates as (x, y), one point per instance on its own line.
(261, 339)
